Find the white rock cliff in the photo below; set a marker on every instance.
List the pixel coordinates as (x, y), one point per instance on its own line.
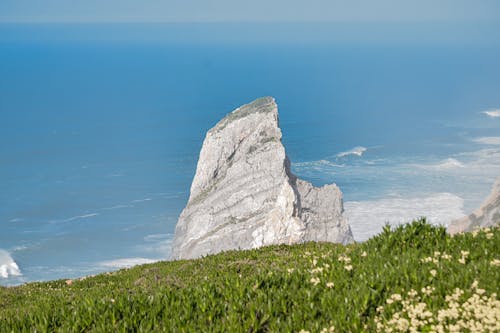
(244, 194)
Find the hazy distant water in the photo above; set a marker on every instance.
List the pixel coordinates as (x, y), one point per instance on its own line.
(99, 140)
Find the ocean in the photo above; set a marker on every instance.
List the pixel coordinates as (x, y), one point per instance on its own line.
(100, 129)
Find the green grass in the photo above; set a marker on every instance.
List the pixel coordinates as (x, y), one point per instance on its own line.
(272, 289)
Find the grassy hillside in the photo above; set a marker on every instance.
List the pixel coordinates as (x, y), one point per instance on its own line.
(413, 276)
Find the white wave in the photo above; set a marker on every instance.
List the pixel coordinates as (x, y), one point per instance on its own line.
(117, 207)
(488, 140)
(157, 245)
(141, 200)
(156, 237)
(126, 262)
(492, 113)
(85, 216)
(447, 164)
(357, 151)
(368, 217)
(20, 248)
(8, 266)
(317, 164)
(17, 219)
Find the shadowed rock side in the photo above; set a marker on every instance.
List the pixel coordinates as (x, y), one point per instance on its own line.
(244, 194)
(487, 215)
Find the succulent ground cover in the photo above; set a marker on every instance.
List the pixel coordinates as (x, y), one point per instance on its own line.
(411, 278)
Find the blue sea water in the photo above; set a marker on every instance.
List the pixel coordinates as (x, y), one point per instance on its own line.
(99, 137)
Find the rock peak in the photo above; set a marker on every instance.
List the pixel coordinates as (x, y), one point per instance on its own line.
(260, 105)
(244, 194)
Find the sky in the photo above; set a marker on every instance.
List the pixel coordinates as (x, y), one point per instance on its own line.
(83, 11)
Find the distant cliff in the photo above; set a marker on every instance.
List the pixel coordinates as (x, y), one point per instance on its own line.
(487, 215)
(244, 194)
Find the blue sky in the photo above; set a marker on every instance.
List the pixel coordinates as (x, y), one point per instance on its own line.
(248, 11)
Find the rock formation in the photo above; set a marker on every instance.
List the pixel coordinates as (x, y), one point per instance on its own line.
(487, 215)
(244, 194)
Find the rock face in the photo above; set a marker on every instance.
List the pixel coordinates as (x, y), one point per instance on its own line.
(487, 215)
(244, 194)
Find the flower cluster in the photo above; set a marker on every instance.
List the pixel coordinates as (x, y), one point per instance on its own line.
(347, 262)
(477, 313)
(330, 329)
(464, 254)
(495, 262)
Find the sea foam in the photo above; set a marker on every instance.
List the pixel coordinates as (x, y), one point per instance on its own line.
(368, 217)
(126, 262)
(488, 140)
(447, 164)
(357, 151)
(8, 266)
(492, 113)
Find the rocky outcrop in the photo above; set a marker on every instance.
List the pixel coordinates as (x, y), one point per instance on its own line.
(244, 194)
(487, 215)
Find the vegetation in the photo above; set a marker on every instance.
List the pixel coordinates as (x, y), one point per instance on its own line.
(414, 276)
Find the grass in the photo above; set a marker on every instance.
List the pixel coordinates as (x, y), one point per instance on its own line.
(310, 287)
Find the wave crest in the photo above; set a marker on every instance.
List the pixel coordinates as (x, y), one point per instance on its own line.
(357, 151)
(8, 266)
(126, 262)
(492, 113)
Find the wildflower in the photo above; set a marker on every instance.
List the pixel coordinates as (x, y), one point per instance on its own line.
(446, 256)
(433, 272)
(69, 282)
(303, 331)
(329, 284)
(315, 262)
(429, 259)
(480, 291)
(330, 329)
(396, 297)
(495, 262)
(390, 301)
(412, 293)
(290, 270)
(344, 259)
(326, 266)
(315, 281)
(427, 290)
(317, 270)
(364, 254)
(489, 235)
(348, 268)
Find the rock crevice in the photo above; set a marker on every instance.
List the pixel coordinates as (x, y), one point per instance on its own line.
(244, 194)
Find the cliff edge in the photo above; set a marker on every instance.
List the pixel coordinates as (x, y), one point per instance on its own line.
(244, 194)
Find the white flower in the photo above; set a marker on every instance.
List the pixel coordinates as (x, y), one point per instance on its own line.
(495, 262)
(315, 281)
